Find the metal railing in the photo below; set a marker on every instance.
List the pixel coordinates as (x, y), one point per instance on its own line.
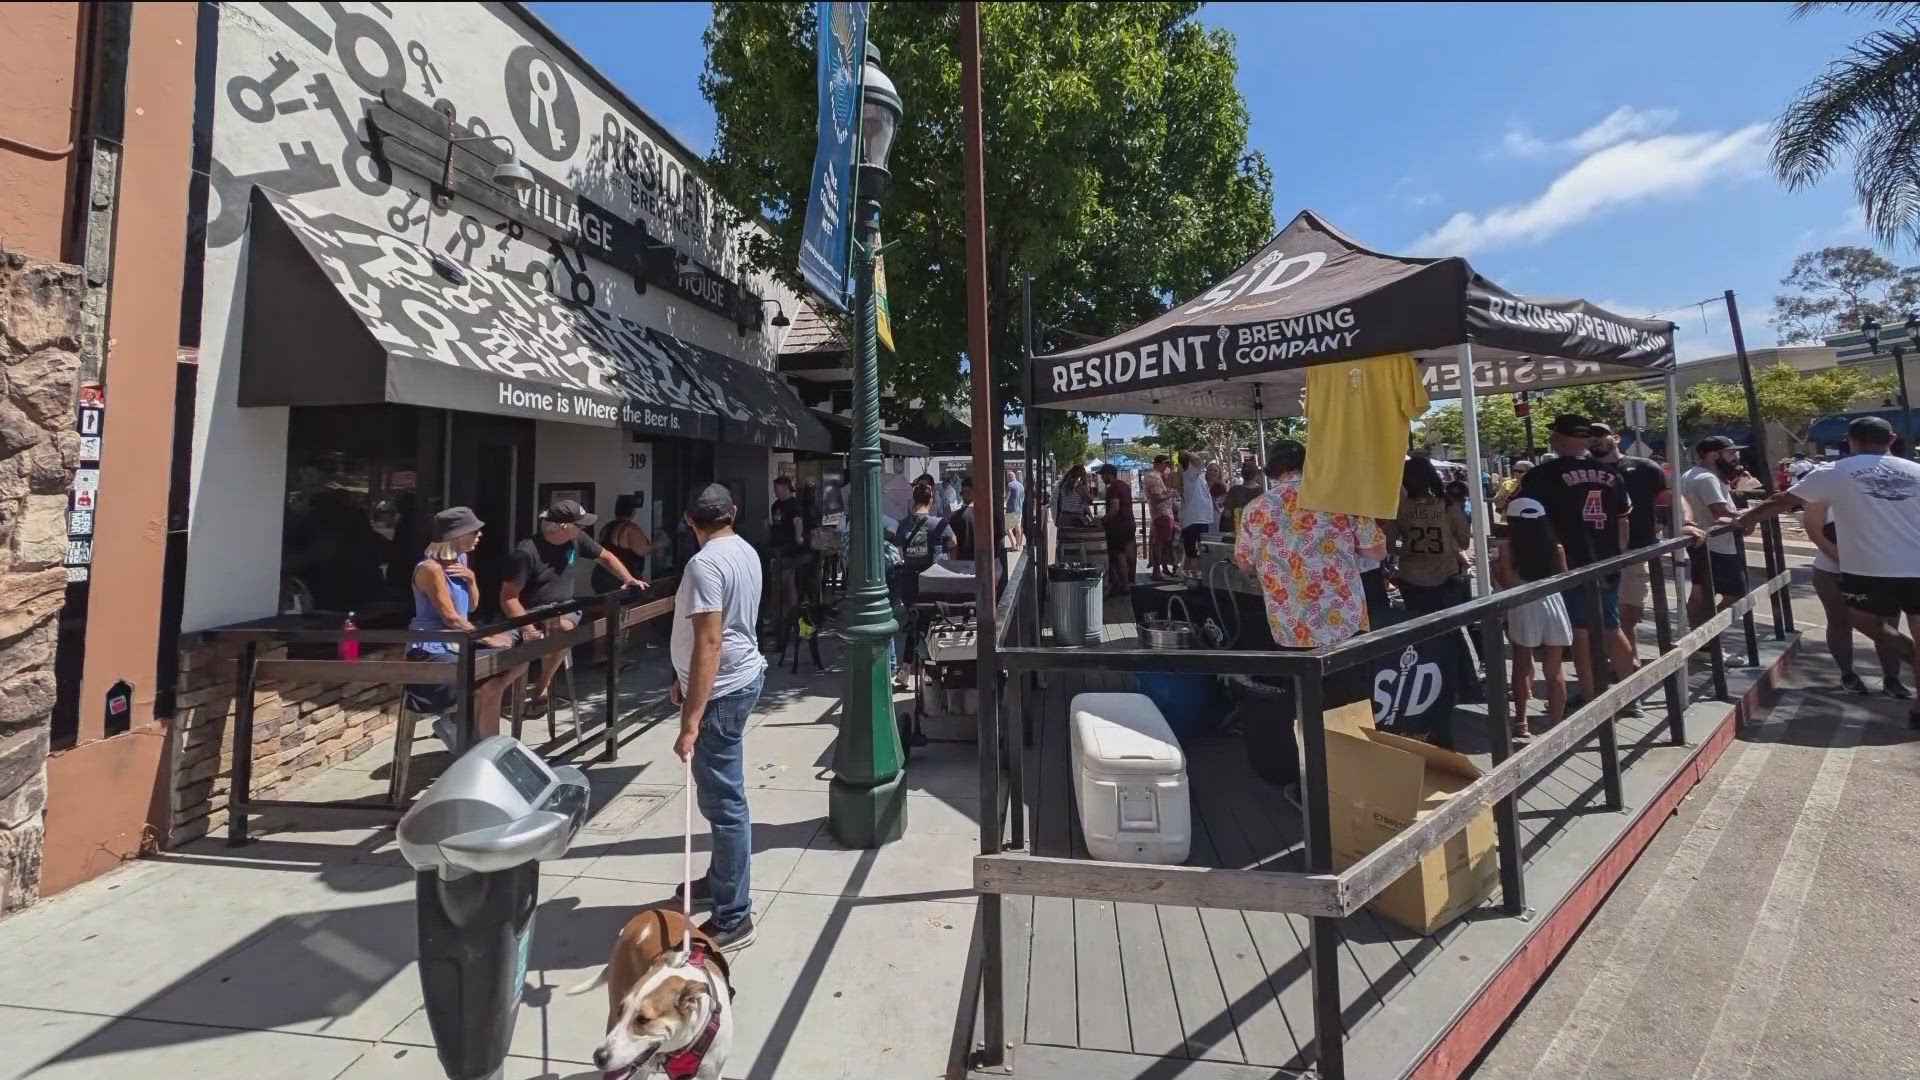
(605, 615)
(1321, 893)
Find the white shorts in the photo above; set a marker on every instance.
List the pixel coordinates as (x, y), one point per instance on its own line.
(1542, 622)
(1636, 586)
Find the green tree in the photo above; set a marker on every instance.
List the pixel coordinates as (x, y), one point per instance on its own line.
(1837, 288)
(1791, 398)
(1067, 440)
(1117, 165)
(1866, 106)
(1605, 402)
(1501, 432)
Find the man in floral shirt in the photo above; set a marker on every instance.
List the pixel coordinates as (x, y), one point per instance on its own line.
(1307, 561)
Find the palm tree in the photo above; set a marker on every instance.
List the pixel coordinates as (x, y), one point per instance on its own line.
(1867, 103)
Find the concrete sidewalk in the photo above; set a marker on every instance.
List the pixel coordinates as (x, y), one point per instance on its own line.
(292, 958)
(1768, 930)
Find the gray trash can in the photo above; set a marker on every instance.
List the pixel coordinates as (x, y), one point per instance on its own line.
(1073, 597)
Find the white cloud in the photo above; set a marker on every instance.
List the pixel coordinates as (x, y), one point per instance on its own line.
(1522, 143)
(1620, 125)
(1623, 123)
(1624, 172)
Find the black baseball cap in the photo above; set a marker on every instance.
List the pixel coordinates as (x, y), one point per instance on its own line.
(712, 506)
(567, 512)
(455, 521)
(1571, 424)
(1716, 442)
(1870, 429)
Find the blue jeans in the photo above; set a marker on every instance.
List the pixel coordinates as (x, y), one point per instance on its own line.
(721, 784)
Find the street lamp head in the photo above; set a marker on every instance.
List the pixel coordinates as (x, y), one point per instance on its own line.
(880, 113)
(516, 178)
(779, 313)
(1870, 326)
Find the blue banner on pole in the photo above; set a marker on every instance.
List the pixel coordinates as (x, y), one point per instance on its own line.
(826, 241)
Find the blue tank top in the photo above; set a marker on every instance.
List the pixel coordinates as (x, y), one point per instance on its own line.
(427, 617)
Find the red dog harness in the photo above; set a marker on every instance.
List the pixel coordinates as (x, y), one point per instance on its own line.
(683, 1063)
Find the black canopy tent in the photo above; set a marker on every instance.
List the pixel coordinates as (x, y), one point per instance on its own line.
(1312, 296)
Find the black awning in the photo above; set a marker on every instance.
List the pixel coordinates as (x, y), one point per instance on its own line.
(891, 444)
(338, 313)
(756, 407)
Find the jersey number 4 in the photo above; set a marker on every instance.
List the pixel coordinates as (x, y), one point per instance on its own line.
(1594, 513)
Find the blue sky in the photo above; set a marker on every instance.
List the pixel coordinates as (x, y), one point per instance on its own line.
(1614, 152)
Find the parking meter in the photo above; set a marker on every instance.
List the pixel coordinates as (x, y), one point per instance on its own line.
(476, 839)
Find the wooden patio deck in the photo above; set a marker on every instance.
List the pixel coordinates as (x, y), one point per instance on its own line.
(1121, 990)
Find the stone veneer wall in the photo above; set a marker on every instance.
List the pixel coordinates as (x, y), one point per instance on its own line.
(39, 363)
(299, 729)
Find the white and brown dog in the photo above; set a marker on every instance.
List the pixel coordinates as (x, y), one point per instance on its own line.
(668, 1013)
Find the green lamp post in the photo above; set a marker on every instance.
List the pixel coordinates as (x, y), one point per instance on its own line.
(865, 804)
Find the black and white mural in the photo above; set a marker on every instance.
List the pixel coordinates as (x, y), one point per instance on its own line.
(302, 96)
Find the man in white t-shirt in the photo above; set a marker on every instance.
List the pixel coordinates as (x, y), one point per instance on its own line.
(1196, 507)
(1873, 499)
(1889, 644)
(717, 676)
(1710, 503)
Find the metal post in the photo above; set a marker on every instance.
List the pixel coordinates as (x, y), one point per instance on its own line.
(865, 805)
(1775, 540)
(1758, 445)
(1493, 652)
(616, 633)
(1663, 636)
(1609, 737)
(1481, 522)
(1746, 620)
(1716, 660)
(1906, 404)
(464, 719)
(985, 533)
(1323, 949)
(1260, 426)
(242, 780)
(1676, 519)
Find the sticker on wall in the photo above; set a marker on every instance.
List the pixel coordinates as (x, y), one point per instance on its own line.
(86, 489)
(119, 707)
(89, 448)
(79, 523)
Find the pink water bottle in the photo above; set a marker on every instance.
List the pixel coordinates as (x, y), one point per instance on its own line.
(349, 645)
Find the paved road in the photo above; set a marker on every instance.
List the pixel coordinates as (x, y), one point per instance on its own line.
(1769, 931)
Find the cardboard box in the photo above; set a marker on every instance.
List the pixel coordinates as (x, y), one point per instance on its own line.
(1379, 784)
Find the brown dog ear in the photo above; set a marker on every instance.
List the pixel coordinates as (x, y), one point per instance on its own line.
(688, 1000)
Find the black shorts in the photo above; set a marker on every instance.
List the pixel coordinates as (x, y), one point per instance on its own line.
(1729, 570)
(1120, 539)
(1887, 597)
(1190, 538)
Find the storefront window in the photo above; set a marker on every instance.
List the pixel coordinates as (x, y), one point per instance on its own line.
(363, 484)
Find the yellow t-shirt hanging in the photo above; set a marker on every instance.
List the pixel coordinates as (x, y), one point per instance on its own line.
(1358, 416)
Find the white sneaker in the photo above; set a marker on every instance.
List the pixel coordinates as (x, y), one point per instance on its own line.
(446, 732)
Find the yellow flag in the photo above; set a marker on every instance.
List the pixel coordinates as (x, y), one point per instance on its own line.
(885, 317)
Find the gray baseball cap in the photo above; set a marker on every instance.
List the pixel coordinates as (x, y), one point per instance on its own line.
(712, 505)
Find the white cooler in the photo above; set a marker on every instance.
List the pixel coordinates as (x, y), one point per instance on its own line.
(1129, 779)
